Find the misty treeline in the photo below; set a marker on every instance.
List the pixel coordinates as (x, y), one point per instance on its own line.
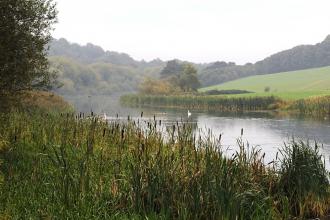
(92, 70)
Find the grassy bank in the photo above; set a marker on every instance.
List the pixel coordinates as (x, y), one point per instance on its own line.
(71, 167)
(34, 101)
(292, 85)
(317, 106)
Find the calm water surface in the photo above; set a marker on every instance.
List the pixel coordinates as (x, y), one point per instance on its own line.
(266, 131)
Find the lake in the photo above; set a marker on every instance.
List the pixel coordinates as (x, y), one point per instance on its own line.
(268, 131)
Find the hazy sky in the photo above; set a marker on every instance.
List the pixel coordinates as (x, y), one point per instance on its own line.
(194, 30)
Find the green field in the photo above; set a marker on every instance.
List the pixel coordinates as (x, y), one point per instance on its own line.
(286, 85)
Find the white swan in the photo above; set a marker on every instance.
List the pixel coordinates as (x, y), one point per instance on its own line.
(105, 117)
(189, 113)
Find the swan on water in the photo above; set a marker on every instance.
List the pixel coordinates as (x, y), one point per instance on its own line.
(105, 116)
(189, 113)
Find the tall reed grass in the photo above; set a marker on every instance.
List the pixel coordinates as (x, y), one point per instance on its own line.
(313, 106)
(220, 103)
(72, 167)
(317, 106)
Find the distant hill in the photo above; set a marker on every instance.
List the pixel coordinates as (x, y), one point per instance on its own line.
(91, 70)
(297, 58)
(291, 85)
(91, 53)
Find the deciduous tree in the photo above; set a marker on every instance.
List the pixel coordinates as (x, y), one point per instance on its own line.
(25, 27)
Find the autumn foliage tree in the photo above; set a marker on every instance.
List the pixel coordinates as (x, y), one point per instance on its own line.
(175, 78)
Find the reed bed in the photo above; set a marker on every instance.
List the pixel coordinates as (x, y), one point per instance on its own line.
(317, 106)
(313, 106)
(65, 166)
(214, 103)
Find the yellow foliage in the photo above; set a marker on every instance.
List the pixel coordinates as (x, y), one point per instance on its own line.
(3, 144)
(45, 100)
(158, 87)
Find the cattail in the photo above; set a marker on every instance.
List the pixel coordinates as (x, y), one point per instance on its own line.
(122, 134)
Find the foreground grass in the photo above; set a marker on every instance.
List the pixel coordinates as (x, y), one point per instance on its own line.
(287, 85)
(70, 167)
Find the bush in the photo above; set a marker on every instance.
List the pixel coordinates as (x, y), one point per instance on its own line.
(267, 89)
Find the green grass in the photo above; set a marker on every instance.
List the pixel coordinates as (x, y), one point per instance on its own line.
(287, 85)
(70, 167)
(290, 96)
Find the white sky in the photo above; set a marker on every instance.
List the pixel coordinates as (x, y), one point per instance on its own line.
(194, 30)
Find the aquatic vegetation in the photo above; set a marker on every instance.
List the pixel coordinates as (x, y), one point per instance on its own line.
(317, 106)
(215, 103)
(69, 166)
(313, 106)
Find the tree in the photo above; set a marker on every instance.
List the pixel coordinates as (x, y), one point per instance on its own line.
(172, 68)
(188, 80)
(25, 27)
(182, 75)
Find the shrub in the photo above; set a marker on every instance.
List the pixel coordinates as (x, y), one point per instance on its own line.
(267, 89)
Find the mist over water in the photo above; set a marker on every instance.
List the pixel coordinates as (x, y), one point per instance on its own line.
(267, 131)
